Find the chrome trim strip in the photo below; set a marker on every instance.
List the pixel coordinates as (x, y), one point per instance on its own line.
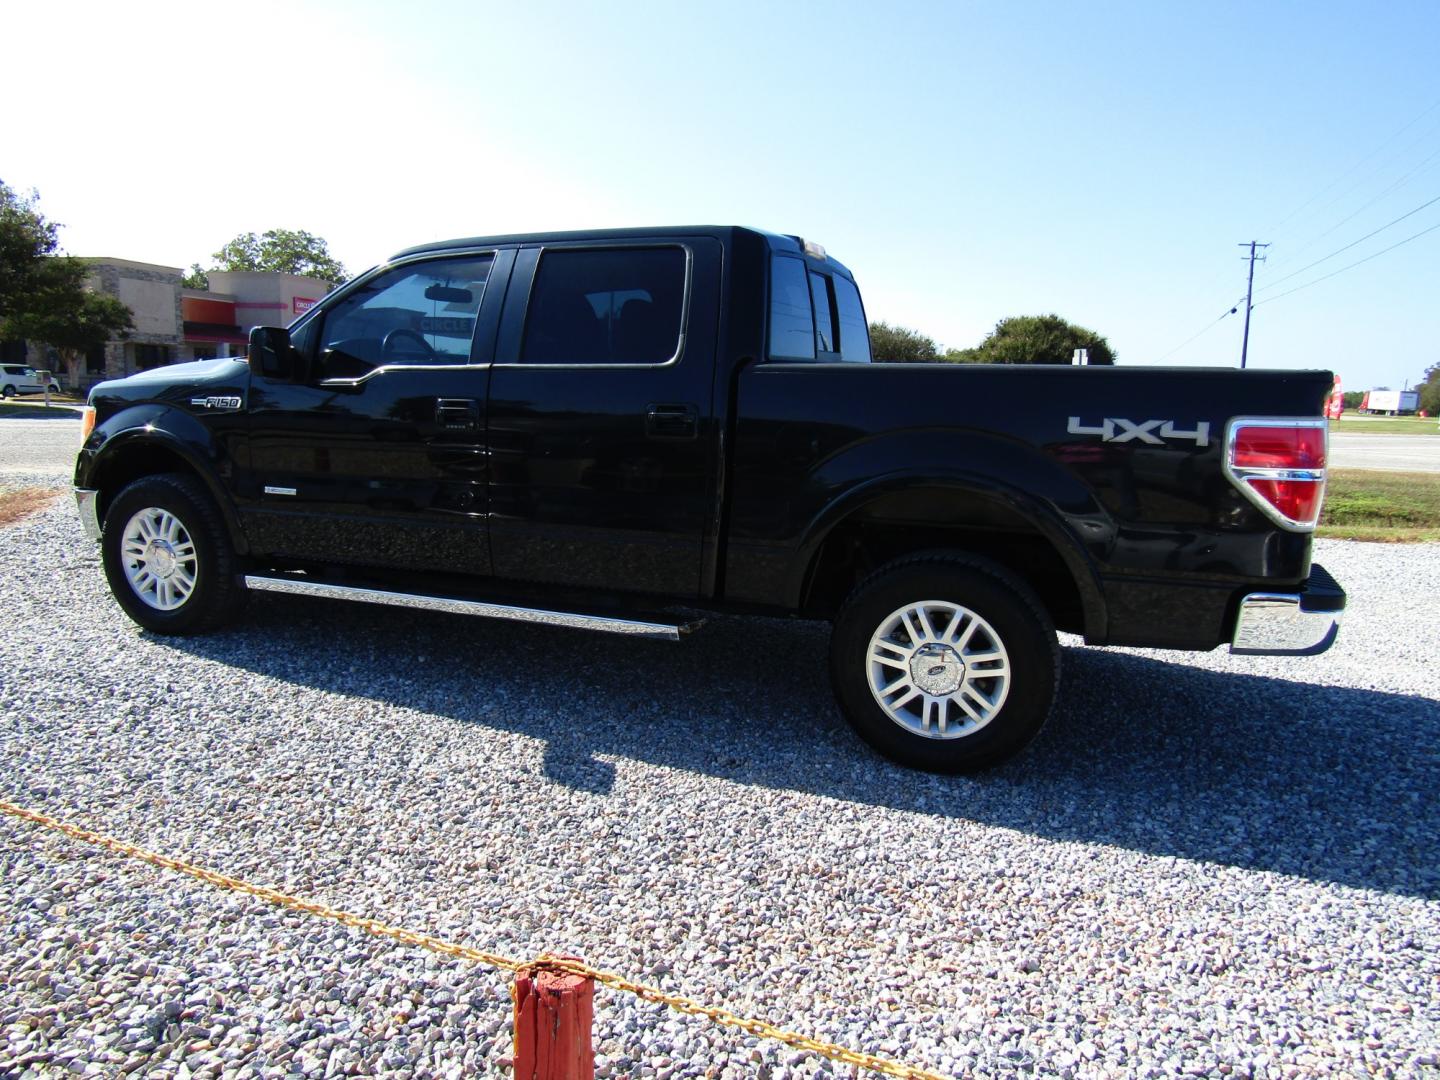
(87, 502)
(1275, 624)
(386, 368)
(458, 606)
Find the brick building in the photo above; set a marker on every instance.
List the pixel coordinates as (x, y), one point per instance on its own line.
(174, 324)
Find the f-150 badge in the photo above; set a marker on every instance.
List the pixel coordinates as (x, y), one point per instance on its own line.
(1153, 432)
(217, 402)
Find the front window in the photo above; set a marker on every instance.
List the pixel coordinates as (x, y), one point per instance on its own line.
(420, 313)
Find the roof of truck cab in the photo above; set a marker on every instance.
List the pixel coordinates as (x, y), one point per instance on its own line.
(777, 242)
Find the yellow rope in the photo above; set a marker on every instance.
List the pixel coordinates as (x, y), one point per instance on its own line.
(724, 1017)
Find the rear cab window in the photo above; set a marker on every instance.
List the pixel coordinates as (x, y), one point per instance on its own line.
(815, 315)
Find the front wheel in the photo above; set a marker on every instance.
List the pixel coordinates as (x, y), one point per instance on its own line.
(168, 557)
(944, 662)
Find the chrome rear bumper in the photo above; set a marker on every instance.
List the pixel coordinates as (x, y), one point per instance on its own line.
(1290, 624)
(88, 503)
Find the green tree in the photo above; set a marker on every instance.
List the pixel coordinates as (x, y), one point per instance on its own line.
(1352, 398)
(26, 238)
(63, 313)
(1430, 391)
(44, 295)
(965, 356)
(195, 278)
(901, 345)
(282, 251)
(1036, 339)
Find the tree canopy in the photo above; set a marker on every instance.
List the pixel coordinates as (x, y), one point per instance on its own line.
(901, 345)
(1430, 391)
(1035, 339)
(26, 238)
(281, 251)
(44, 295)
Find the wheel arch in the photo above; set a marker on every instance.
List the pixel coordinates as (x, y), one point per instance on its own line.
(891, 517)
(133, 453)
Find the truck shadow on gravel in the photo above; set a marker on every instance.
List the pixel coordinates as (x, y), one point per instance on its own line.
(1325, 783)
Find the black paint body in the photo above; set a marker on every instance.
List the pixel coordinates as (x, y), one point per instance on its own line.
(722, 479)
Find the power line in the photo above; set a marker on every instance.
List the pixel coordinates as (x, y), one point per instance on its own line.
(1204, 329)
(1352, 266)
(1367, 204)
(1353, 243)
(1364, 160)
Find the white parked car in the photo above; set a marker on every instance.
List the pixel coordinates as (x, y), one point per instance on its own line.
(19, 379)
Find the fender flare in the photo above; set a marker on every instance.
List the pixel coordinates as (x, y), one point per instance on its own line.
(113, 441)
(1039, 514)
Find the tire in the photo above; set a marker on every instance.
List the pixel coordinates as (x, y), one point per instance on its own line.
(944, 713)
(8, 392)
(168, 557)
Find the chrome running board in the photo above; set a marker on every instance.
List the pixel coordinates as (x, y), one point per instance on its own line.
(609, 624)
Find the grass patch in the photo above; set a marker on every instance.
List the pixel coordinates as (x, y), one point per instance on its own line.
(16, 503)
(1388, 506)
(1385, 425)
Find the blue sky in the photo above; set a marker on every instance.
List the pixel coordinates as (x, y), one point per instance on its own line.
(967, 161)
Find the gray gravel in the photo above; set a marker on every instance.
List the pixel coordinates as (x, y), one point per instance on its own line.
(1206, 864)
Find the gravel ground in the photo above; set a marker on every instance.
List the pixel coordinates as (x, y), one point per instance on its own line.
(1205, 865)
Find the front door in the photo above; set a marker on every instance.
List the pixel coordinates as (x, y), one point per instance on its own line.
(602, 452)
(376, 456)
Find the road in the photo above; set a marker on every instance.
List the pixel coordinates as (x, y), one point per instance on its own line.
(44, 447)
(1397, 453)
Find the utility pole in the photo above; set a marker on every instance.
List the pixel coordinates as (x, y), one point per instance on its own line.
(1249, 292)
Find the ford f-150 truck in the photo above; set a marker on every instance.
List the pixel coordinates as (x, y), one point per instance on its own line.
(623, 430)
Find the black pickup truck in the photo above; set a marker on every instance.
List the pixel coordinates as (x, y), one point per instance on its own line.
(624, 430)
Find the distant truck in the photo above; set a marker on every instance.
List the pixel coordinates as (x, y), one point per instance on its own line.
(1390, 402)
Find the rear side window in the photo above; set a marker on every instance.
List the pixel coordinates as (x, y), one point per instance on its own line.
(824, 314)
(854, 331)
(613, 306)
(792, 329)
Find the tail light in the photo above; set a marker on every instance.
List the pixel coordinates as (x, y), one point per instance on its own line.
(1279, 465)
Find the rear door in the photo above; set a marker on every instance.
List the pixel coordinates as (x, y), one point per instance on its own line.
(602, 448)
(378, 456)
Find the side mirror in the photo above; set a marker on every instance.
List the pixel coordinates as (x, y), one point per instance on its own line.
(272, 355)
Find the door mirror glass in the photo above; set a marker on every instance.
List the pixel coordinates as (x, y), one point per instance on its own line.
(272, 354)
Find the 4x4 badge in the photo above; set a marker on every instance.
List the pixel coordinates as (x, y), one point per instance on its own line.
(1153, 432)
(217, 402)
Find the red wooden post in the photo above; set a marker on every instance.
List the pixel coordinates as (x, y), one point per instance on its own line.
(554, 1013)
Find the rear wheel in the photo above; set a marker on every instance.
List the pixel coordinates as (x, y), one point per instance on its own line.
(168, 557)
(8, 392)
(944, 662)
